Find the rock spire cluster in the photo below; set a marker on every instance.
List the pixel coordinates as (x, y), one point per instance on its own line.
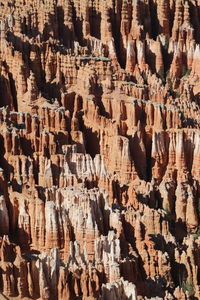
(99, 149)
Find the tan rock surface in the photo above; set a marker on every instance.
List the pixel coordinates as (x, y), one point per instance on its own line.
(99, 149)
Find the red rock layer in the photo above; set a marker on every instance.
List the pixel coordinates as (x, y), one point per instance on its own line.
(99, 149)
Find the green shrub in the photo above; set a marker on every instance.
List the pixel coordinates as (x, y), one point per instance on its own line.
(196, 234)
(185, 71)
(188, 286)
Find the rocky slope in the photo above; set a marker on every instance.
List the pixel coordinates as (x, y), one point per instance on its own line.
(99, 149)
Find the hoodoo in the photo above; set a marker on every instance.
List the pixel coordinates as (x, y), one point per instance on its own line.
(99, 149)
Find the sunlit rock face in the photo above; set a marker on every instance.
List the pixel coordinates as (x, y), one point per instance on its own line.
(99, 149)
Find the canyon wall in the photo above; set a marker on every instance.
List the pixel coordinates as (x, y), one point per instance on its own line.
(99, 149)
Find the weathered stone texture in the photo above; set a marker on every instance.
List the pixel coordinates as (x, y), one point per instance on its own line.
(99, 149)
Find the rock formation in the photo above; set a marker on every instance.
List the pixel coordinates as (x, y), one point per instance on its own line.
(99, 149)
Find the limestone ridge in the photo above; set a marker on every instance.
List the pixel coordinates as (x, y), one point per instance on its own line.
(99, 149)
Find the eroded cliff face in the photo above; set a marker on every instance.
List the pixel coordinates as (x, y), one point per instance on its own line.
(99, 149)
